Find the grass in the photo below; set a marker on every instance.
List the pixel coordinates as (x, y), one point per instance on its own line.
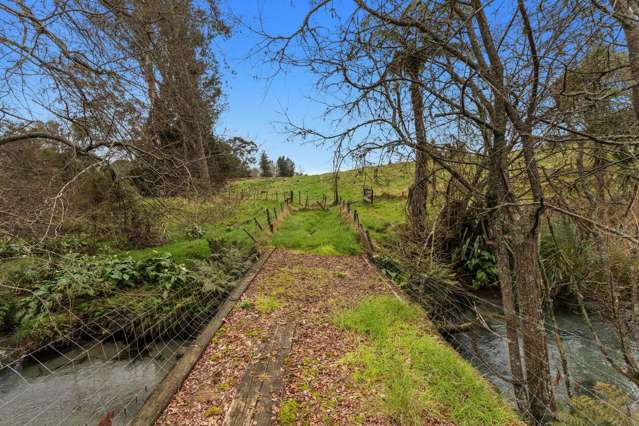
(393, 179)
(288, 412)
(213, 411)
(182, 251)
(319, 232)
(390, 183)
(267, 304)
(416, 373)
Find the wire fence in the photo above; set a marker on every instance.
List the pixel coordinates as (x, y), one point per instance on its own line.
(484, 344)
(107, 365)
(111, 363)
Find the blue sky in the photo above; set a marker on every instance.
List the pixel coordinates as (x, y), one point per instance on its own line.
(256, 104)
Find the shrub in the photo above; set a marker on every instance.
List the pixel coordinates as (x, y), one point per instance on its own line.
(124, 295)
(566, 255)
(7, 311)
(479, 263)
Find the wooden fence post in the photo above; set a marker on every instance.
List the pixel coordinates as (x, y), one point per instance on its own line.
(268, 219)
(250, 236)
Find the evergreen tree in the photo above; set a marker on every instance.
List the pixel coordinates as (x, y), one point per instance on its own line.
(285, 167)
(266, 165)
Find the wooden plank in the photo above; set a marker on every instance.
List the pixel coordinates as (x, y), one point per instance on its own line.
(163, 393)
(262, 382)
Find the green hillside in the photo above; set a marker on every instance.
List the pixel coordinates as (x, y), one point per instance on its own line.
(389, 182)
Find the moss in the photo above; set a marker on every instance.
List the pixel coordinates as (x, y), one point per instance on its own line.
(288, 412)
(418, 375)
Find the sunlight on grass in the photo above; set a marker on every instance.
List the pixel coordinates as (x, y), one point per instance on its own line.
(417, 374)
(319, 232)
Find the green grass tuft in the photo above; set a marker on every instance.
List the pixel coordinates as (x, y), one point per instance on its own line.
(213, 411)
(288, 412)
(417, 373)
(319, 232)
(267, 304)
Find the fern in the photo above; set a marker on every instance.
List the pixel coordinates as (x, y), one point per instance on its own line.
(608, 407)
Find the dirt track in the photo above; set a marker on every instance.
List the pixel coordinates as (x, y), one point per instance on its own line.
(301, 292)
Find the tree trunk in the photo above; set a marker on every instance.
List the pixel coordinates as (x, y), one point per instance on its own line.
(204, 177)
(418, 192)
(629, 19)
(497, 196)
(512, 328)
(540, 392)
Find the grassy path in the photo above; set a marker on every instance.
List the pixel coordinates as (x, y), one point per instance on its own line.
(353, 352)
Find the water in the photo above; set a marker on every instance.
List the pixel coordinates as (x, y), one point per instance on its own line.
(586, 364)
(80, 393)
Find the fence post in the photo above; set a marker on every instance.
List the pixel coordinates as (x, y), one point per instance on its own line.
(369, 241)
(250, 236)
(268, 219)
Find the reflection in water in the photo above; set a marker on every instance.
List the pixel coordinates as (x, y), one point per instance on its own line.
(586, 364)
(52, 391)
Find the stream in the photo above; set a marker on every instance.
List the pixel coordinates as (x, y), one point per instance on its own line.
(52, 391)
(586, 364)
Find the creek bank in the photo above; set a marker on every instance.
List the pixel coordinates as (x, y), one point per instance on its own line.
(486, 349)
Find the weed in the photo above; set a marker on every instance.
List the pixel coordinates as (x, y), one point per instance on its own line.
(224, 386)
(213, 411)
(247, 305)
(267, 304)
(288, 412)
